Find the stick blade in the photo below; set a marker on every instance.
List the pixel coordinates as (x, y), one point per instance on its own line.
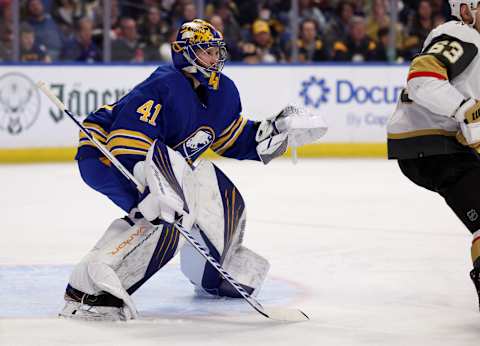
(286, 315)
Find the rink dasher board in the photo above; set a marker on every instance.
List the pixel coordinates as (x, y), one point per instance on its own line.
(356, 101)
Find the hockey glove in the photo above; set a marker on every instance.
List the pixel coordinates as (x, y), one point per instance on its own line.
(293, 126)
(468, 115)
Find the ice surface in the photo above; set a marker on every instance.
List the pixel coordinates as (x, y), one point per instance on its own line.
(373, 259)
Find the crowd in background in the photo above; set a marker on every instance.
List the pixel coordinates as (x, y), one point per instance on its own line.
(255, 31)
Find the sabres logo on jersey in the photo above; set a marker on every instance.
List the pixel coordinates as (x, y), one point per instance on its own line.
(196, 143)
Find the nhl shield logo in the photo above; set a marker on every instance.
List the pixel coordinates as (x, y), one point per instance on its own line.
(197, 143)
(19, 103)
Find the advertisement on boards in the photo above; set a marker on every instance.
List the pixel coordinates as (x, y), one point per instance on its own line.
(355, 101)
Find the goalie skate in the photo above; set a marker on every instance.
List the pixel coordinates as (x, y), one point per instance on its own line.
(81, 311)
(104, 307)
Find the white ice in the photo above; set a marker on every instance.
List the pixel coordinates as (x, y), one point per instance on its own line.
(373, 259)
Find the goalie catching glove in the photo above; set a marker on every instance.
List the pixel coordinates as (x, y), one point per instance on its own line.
(293, 126)
(468, 115)
(171, 186)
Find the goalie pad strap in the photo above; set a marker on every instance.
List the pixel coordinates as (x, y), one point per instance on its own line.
(104, 299)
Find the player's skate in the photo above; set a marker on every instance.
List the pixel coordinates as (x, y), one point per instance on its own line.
(90, 308)
(475, 276)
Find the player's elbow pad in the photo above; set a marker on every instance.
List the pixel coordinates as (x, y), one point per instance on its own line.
(438, 96)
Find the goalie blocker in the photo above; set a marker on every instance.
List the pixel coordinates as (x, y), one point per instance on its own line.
(132, 249)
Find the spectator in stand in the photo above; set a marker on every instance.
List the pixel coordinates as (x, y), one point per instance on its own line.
(6, 39)
(359, 7)
(153, 31)
(418, 29)
(310, 46)
(217, 22)
(378, 20)
(383, 46)
(357, 47)
(46, 30)
(406, 12)
(231, 29)
(338, 26)
(6, 53)
(65, 12)
(247, 12)
(97, 16)
(165, 49)
(307, 10)
(127, 46)
(136, 9)
(276, 21)
(188, 12)
(5, 17)
(30, 50)
(263, 48)
(81, 46)
(440, 8)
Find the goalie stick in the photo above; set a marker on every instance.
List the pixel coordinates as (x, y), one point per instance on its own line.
(279, 314)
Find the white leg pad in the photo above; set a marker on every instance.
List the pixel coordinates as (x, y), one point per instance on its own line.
(107, 280)
(192, 263)
(117, 227)
(119, 260)
(247, 267)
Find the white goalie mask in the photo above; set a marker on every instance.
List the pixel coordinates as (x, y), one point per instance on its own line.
(472, 6)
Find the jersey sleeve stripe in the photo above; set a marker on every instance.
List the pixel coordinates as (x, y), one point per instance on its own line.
(95, 127)
(107, 107)
(122, 151)
(427, 66)
(231, 141)
(425, 74)
(228, 128)
(226, 137)
(128, 143)
(85, 141)
(130, 134)
(95, 134)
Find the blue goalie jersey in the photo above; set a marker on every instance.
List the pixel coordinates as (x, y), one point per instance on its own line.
(166, 107)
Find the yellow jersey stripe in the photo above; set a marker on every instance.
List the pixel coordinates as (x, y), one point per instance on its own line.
(98, 128)
(222, 139)
(107, 107)
(82, 144)
(122, 151)
(127, 143)
(228, 144)
(228, 128)
(101, 139)
(129, 133)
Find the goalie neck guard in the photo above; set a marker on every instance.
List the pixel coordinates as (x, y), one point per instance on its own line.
(191, 38)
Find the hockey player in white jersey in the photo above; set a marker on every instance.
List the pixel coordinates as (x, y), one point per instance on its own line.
(434, 132)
